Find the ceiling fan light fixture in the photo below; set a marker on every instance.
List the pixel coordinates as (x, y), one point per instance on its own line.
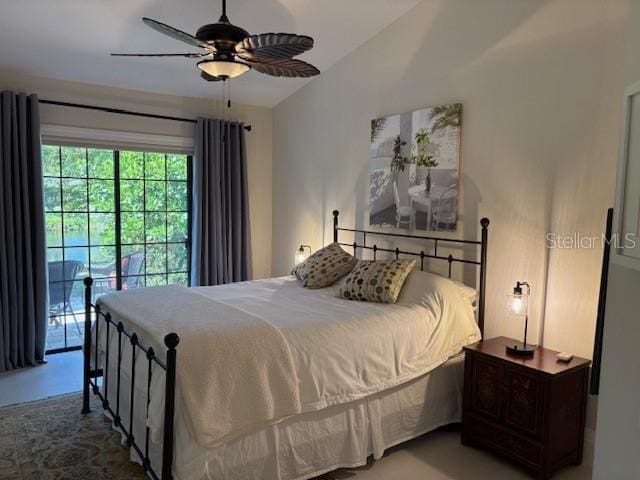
(223, 68)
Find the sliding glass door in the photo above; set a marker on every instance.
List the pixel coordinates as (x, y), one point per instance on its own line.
(122, 217)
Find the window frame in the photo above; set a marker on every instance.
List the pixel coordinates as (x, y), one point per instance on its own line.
(117, 212)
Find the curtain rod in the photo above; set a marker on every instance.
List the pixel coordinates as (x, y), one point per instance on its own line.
(124, 112)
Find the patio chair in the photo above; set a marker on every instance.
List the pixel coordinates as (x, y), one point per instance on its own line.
(131, 267)
(61, 277)
(404, 213)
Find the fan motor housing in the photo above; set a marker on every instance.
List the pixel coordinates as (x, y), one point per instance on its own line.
(224, 35)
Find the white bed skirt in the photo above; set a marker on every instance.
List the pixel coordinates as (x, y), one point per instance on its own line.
(308, 445)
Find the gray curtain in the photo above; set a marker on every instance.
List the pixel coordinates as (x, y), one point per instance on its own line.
(221, 250)
(23, 268)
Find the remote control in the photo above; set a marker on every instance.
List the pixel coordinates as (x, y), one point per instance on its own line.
(564, 357)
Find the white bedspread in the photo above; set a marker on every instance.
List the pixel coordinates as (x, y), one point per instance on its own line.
(240, 369)
(341, 350)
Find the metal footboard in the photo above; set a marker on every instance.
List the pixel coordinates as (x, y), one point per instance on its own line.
(127, 339)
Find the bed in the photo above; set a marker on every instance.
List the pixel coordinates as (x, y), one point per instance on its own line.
(272, 380)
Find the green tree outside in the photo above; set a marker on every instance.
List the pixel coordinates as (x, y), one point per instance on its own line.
(79, 193)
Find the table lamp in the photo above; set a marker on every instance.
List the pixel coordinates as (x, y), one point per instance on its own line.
(518, 305)
(302, 254)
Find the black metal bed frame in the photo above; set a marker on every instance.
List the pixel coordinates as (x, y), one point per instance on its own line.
(482, 263)
(171, 341)
(91, 376)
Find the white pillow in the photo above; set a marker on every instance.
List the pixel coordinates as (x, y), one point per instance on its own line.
(419, 282)
(467, 292)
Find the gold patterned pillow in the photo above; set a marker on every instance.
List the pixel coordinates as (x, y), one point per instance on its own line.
(324, 267)
(376, 281)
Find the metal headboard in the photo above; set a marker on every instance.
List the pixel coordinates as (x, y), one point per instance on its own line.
(481, 263)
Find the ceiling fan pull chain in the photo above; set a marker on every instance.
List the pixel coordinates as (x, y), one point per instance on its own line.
(223, 122)
(222, 103)
(229, 96)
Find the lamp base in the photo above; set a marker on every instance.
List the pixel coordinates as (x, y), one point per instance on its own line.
(521, 350)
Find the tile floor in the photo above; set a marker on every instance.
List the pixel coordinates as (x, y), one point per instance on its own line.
(61, 374)
(435, 456)
(440, 456)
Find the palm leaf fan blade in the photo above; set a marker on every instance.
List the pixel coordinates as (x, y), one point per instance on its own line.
(285, 68)
(274, 45)
(175, 33)
(185, 55)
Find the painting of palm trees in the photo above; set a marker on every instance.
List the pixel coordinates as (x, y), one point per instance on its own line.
(414, 169)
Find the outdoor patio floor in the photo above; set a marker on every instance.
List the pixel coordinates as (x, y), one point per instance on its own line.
(74, 329)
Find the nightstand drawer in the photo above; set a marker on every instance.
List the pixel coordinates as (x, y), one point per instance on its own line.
(487, 388)
(485, 433)
(524, 398)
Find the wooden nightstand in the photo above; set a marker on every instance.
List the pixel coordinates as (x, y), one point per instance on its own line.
(531, 410)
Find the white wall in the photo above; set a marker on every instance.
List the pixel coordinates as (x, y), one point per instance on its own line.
(259, 140)
(540, 83)
(617, 454)
(618, 434)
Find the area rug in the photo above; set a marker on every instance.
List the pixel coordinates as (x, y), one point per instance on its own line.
(50, 440)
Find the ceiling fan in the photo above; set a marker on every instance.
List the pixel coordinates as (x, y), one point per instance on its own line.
(228, 51)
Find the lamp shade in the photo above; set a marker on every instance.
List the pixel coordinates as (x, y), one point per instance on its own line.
(302, 254)
(518, 304)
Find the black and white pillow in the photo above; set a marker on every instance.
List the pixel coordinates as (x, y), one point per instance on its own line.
(376, 281)
(324, 267)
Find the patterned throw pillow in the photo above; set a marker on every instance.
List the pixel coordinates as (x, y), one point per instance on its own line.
(376, 281)
(324, 267)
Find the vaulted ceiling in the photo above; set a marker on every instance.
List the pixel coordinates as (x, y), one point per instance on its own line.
(72, 39)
